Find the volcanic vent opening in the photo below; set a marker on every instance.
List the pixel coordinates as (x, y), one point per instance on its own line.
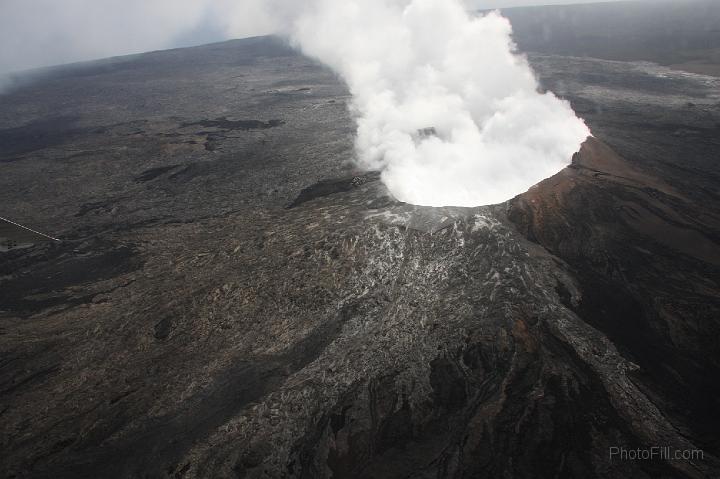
(445, 107)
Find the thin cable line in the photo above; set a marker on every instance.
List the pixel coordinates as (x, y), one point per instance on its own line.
(29, 229)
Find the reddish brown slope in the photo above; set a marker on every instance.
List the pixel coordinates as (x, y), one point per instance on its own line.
(647, 258)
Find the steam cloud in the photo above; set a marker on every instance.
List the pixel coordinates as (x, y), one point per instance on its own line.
(444, 107)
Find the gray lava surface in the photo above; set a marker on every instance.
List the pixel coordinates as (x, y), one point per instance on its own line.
(232, 298)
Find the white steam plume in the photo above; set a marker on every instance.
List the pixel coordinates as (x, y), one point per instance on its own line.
(444, 106)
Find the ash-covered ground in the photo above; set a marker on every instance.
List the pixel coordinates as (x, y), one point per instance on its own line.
(231, 298)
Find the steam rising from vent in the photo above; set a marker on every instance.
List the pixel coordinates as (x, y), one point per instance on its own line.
(444, 106)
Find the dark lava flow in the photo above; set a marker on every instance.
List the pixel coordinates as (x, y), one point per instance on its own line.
(232, 299)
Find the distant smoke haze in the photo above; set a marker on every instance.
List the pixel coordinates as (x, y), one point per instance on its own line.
(488, 4)
(444, 107)
(37, 33)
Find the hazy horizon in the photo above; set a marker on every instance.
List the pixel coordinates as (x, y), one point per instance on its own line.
(82, 30)
(483, 4)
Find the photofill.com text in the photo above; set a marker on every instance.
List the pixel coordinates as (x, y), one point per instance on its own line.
(663, 453)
